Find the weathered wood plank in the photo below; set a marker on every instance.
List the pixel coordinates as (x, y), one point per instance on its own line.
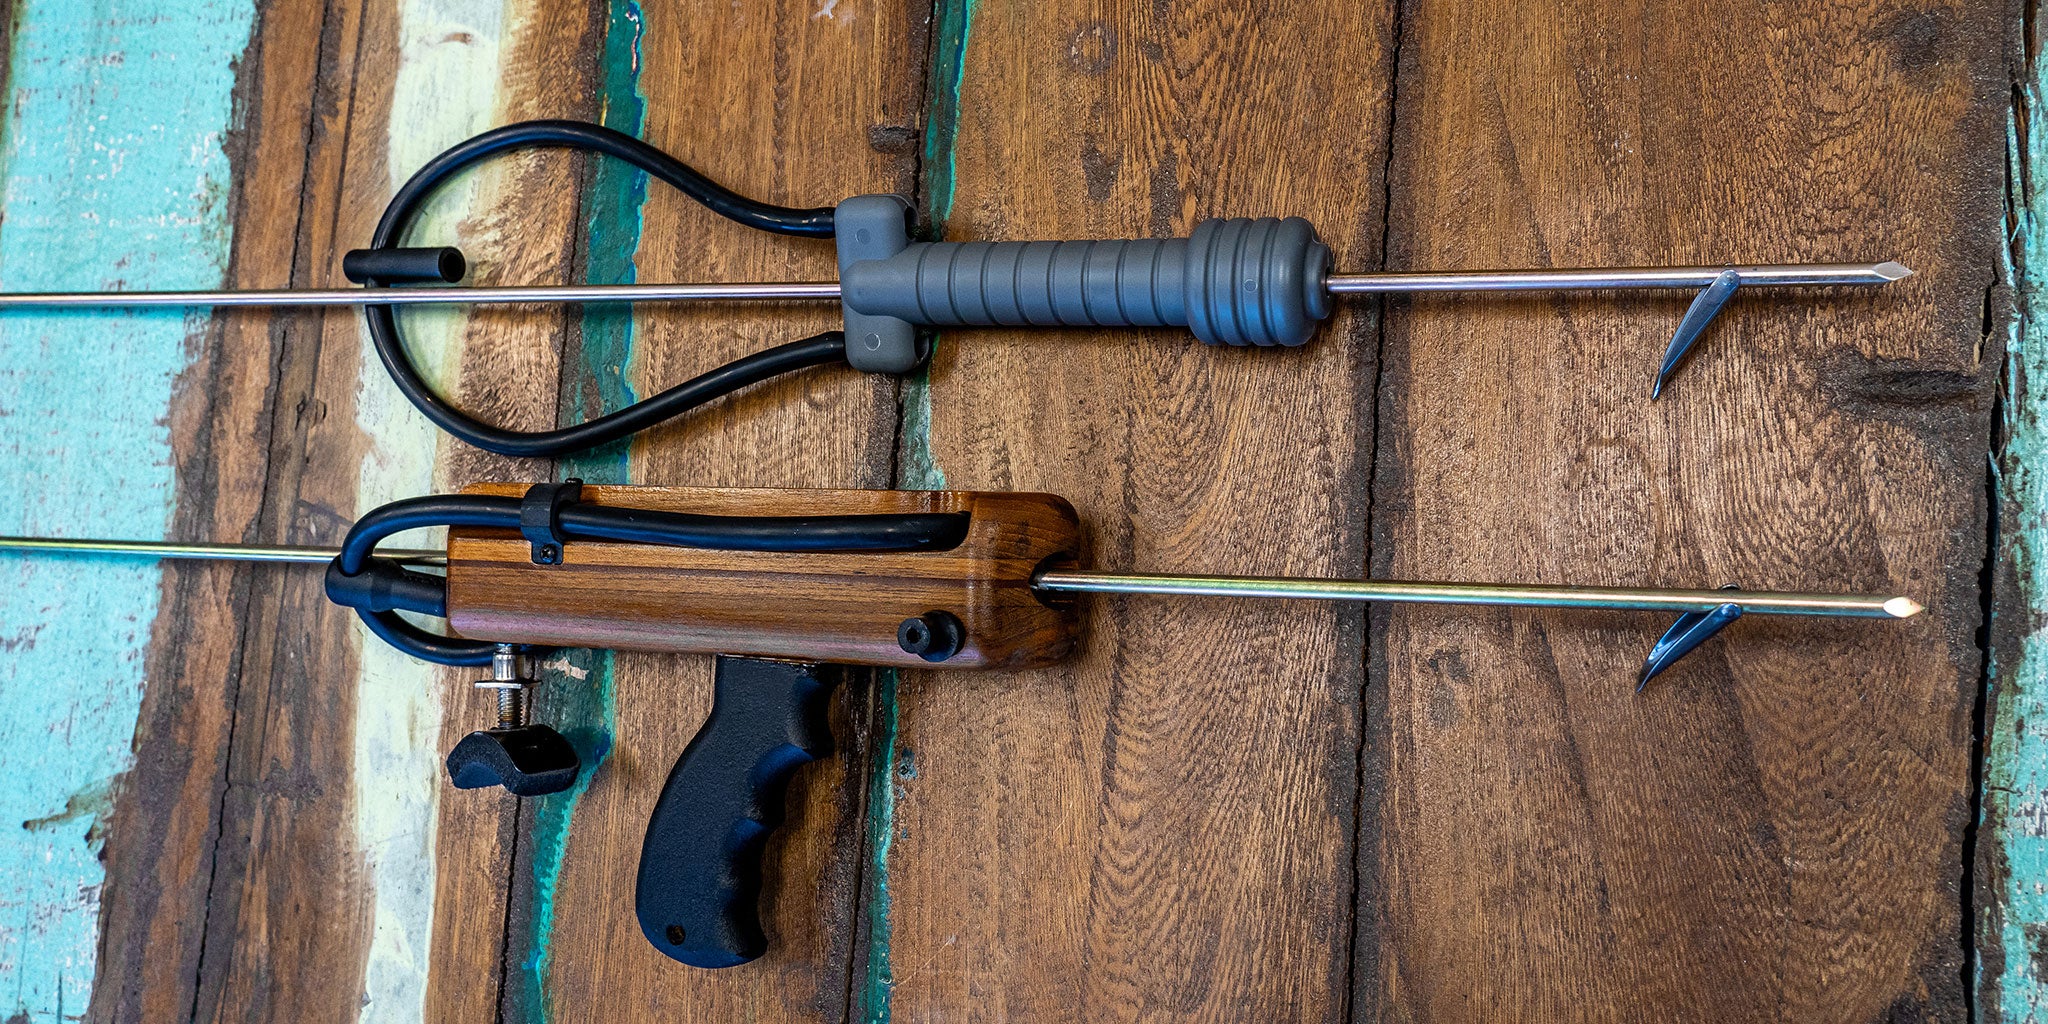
(523, 231)
(430, 868)
(1772, 831)
(133, 196)
(318, 896)
(2012, 840)
(796, 103)
(1162, 827)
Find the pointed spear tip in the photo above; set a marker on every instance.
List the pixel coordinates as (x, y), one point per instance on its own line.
(1892, 270)
(1903, 607)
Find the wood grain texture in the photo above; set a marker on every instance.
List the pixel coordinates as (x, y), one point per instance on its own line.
(798, 103)
(261, 869)
(519, 228)
(1772, 831)
(842, 608)
(1162, 828)
(165, 828)
(1217, 810)
(370, 813)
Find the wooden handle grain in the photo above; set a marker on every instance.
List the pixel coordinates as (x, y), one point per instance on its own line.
(841, 608)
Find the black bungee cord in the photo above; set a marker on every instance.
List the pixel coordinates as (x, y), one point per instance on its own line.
(399, 214)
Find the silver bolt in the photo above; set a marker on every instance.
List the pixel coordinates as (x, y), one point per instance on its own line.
(511, 708)
(509, 678)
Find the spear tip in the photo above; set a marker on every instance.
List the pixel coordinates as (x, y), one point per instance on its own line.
(1892, 270)
(1903, 607)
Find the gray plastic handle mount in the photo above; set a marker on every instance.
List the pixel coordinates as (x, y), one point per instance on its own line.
(1241, 281)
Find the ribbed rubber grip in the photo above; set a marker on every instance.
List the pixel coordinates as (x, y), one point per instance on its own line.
(1241, 281)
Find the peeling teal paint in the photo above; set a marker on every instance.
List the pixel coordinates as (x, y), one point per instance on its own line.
(612, 230)
(579, 684)
(580, 704)
(917, 467)
(114, 177)
(884, 784)
(942, 122)
(2015, 804)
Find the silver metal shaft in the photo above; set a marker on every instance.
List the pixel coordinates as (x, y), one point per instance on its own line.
(432, 295)
(208, 552)
(1766, 275)
(1613, 598)
(1217, 586)
(800, 291)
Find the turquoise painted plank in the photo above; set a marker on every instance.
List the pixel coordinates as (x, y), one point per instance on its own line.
(2012, 967)
(114, 176)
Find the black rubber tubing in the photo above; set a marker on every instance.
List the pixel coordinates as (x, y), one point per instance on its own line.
(398, 216)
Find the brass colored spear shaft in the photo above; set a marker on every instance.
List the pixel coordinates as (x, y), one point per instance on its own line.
(171, 550)
(1765, 602)
(1611, 598)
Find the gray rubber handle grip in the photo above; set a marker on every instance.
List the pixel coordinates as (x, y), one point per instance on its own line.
(1241, 281)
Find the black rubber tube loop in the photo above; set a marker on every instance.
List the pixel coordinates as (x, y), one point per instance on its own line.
(811, 223)
(419, 514)
(914, 531)
(429, 647)
(399, 214)
(414, 514)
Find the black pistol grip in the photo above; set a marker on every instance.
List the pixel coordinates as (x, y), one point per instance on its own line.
(699, 889)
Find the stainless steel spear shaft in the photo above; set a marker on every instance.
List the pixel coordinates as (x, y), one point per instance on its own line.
(1764, 275)
(1399, 592)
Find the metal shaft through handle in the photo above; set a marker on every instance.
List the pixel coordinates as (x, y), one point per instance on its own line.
(1768, 275)
(175, 551)
(1510, 595)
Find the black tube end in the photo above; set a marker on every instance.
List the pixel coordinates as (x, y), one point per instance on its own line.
(933, 636)
(386, 586)
(441, 264)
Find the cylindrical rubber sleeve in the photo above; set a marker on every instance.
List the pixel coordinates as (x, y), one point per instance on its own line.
(1241, 281)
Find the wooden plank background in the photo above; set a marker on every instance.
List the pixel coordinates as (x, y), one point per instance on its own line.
(230, 803)
(1776, 830)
